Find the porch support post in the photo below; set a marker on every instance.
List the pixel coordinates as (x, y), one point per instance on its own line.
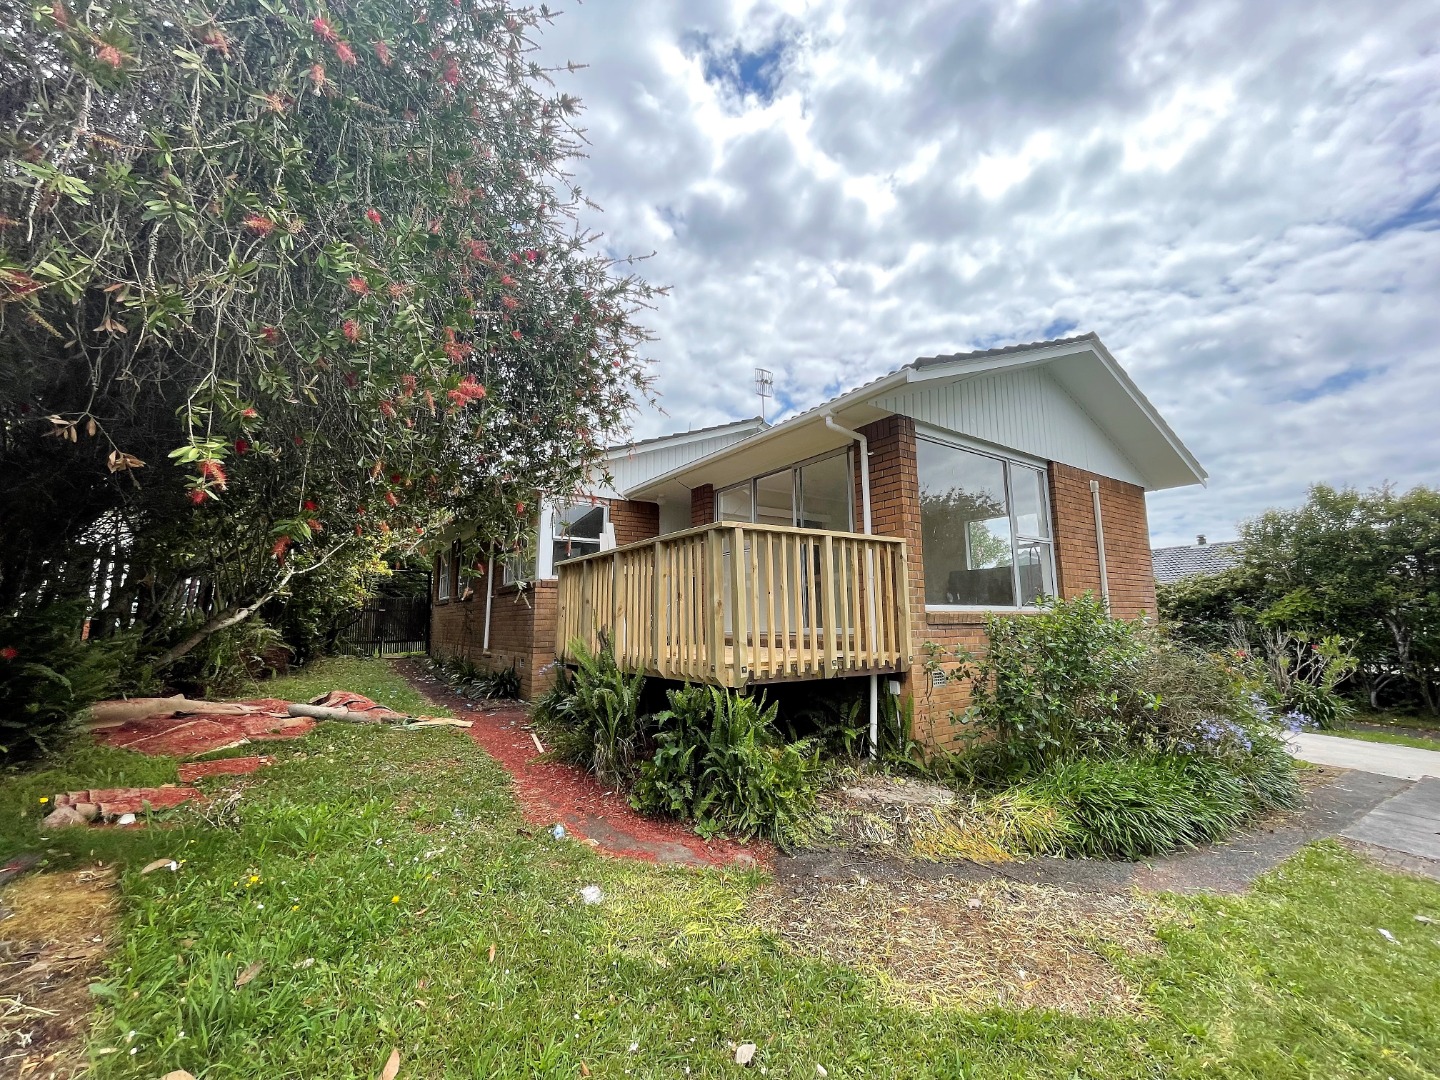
(869, 577)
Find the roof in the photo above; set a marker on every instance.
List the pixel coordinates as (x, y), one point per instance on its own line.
(1085, 372)
(1191, 560)
(681, 436)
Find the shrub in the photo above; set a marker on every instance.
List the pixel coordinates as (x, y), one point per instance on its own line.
(469, 679)
(49, 675)
(593, 715)
(719, 760)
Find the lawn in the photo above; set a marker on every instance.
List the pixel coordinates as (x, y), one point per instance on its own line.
(1395, 728)
(394, 899)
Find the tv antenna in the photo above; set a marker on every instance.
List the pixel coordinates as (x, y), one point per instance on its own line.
(765, 387)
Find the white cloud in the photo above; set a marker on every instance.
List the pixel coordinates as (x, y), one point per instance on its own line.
(1242, 199)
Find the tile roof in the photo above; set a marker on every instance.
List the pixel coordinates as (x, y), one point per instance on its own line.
(1189, 560)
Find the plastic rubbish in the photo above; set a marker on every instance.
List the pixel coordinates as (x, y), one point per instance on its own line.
(558, 832)
(591, 894)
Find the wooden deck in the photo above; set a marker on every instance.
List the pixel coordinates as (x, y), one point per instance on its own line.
(795, 604)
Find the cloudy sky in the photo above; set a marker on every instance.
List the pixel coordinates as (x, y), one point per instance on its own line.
(1242, 199)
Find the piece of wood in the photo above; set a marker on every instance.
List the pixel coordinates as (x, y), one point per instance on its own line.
(536, 740)
(327, 712)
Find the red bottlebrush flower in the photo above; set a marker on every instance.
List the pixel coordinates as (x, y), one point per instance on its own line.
(397, 478)
(270, 335)
(516, 334)
(324, 29)
(384, 528)
(197, 496)
(9, 652)
(217, 41)
(316, 75)
(514, 256)
(506, 280)
(430, 401)
(450, 74)
(344, 53)
(531, 255)
(382, 52)
(60, 15)
(310, 504)
(509, 303)
(391, 498)
(373, 216)
(519, 508)
(242, 445)
(408, 383)
(109, 54)
(360, 509)
(359, 531)
(387, 410)
(260, 224)
(249, 414)
(279, 548)
(478, 249)
(396, 290)
(359, 286)
(314, 525)
(211, 469)
(351, 379)
(351, 329)
(297, 440)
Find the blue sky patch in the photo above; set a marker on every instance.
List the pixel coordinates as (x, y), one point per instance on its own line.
(744, 72)
(1334, 384)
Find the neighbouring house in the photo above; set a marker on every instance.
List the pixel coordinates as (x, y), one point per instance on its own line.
(839, 542)
(1193, 560)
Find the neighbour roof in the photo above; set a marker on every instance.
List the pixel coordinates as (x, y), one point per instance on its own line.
(675, 436)
(1190, 560)
(1089, 378)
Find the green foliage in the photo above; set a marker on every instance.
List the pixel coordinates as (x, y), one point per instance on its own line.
(596, 710)
(287, 285)
(229, 662)
(476, 681)
(49, 674)
(1297, 674)
(719, 760)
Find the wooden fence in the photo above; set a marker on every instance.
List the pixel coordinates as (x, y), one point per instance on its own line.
(733, 604)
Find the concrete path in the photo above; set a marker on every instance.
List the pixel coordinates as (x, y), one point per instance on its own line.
(1408, 823)
(1405, 762)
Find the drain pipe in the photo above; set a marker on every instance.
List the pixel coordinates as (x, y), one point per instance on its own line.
(869, 572)
(1100, 543)
(489, 596)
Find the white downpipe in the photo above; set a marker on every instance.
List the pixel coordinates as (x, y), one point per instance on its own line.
(1100, 543)
(489, 596)
(869, 572)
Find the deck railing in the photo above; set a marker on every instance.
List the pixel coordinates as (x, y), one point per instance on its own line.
(734, 604)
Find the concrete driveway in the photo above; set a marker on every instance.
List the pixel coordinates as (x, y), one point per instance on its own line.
(1405, 762)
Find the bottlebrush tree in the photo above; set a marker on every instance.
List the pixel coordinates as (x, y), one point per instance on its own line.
(284, 281)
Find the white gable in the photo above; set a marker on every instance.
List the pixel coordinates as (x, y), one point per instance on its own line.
(633, 465)
(1024, 409)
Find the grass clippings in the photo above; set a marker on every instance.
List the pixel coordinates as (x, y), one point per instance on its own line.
(950, 942)
(54, 933)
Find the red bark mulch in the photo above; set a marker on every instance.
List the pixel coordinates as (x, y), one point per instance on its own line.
(240, 766)
(550, 792)
(190, 734)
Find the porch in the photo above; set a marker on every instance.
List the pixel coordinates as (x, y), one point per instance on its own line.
(795, 604)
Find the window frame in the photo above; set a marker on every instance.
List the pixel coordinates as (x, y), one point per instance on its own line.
(1009, 463)
(553, 535)
(445, 575)
(796, 493)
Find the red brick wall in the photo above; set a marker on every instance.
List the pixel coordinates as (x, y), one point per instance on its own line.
(1127, 540)
(702, 505)
(895, 511)
(634, 521)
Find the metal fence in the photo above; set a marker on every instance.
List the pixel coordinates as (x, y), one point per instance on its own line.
(388, 626)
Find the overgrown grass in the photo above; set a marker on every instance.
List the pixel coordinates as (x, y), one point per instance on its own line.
(1394, 738)
(371, 870)
(376, 679)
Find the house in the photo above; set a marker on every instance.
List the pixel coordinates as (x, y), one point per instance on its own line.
(839, 542)
(1193, 560)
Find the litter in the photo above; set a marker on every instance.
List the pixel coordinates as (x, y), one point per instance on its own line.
(160, 864)
(591, 894)
(1388, 936)
(1424, 919)
(744, 1053)
(558, 832)
(125, 819)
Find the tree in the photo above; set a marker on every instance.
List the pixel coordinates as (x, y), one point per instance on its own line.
(282, 279)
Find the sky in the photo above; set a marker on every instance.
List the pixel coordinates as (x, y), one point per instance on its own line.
(1241, 199)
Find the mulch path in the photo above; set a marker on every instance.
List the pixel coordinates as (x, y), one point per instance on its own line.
(551, 792)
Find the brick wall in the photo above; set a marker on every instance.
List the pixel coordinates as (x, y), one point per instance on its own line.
(522, 621)
(702, 505)
(1127, 540)
(895, 511)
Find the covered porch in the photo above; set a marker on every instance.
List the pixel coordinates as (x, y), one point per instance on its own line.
(734, 604)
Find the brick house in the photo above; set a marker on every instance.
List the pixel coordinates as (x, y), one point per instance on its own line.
(836, 543)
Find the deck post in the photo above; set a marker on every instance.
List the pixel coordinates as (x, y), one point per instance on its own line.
(737, 606)
(655, 610)
(828, 614)
(715, 609)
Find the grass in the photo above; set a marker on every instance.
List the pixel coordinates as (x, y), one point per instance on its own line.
(371, 870)
(376, 679)
(1394, 738)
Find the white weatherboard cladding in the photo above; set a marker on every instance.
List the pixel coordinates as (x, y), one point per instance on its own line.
(643, 463)
(1022, 409)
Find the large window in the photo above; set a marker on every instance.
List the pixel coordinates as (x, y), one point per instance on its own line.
(814, 495)
(444, 573)
(985, 529)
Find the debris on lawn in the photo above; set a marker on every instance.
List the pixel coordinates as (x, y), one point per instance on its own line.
(53, 942)
(179, 727)
(1388, 936)
(592, 894)
(191, 771)
(744, 1053)
(351, 708)
(114, 804)
(249, 974)
(952, 942)
(160, 864)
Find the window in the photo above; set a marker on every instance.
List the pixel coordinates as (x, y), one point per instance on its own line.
(445, 574)
(575, 530)
(816, 494)
(518, 566)
(985, 529)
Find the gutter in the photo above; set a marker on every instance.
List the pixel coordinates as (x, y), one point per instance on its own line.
(869, 571)
(1100, 543)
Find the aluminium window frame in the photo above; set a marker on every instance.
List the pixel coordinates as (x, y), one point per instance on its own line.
(953, 441)
(796, 493)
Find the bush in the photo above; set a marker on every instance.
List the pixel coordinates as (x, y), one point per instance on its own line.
(720, 761)
(593, 715)
(475, 681)
(49, 675)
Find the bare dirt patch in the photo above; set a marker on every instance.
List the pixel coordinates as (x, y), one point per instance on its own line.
(952, 942)
(54, 932)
